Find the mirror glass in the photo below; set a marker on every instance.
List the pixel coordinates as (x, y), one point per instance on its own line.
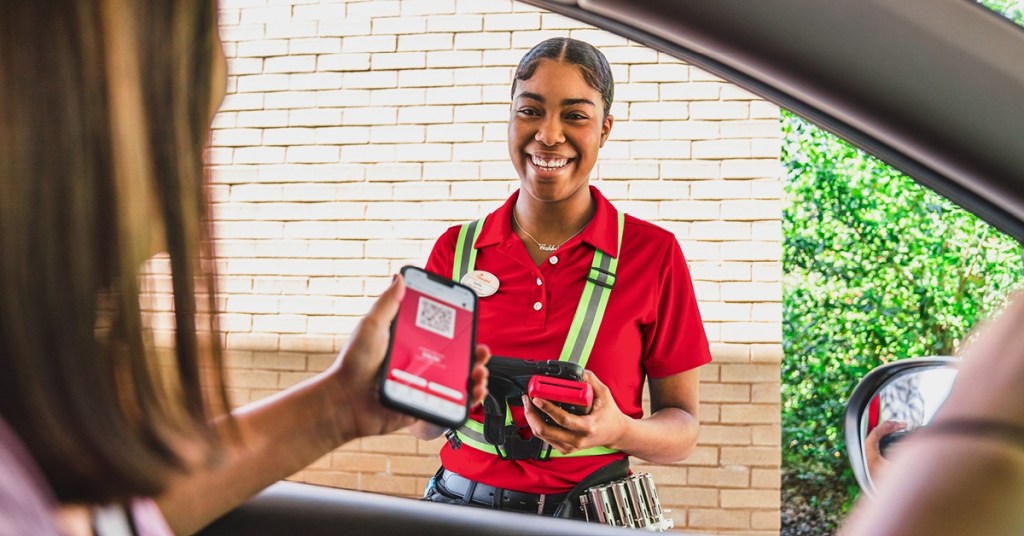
(904, 403)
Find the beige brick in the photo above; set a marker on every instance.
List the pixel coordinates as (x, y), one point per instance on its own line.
(289, 379)
(700, 518)
(238, 397)
(259, 394)
(238, 359)
(728, 353)
(395, 444)
(250, 379)
(678, 516)
(766, 353)
(725, 435)
(710, 373)
(331, 479)
(765, 392)
(749, 413)
(766, 478)
(668, 474)
(390, 484)
(414, 465)
(767, 434)
(279, 323)
(358, 462)
(356, 445)
(279, 361)
(749, 498)
(753, 456)
(686, 497)
(431, 447)
(703, 456)
(725, 392)
(740, 373)
(317, 363)
(766, 519)
(710, 413)
(322, 463)
(720, 477)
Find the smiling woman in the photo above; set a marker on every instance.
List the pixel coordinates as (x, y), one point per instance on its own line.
(648, 326)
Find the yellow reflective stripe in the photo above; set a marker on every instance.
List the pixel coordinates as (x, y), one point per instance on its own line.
(591, 308)
(478, 445)
(472, 434)
(593, 451)
(465, 253)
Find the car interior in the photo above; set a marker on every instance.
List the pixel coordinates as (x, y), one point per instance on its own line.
(932, 87)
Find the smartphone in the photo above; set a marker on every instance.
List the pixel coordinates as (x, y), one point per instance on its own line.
(427, 369)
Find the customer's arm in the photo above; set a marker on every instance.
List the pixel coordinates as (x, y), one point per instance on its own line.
(284, 433)
(952, 478)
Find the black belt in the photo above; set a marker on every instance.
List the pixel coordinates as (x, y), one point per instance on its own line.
(458, 487)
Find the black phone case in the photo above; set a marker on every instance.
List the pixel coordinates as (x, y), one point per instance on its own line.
(417, 412)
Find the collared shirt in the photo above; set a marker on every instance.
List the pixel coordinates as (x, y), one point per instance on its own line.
(651, 327)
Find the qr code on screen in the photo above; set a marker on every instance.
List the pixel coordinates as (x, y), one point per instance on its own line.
(435, 317)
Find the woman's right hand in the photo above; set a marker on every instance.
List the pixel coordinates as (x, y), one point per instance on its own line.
(356, 372)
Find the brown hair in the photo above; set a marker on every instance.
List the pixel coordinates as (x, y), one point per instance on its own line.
(105, 109)
(590, 61)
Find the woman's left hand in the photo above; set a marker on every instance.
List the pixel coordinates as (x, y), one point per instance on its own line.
(602, 427)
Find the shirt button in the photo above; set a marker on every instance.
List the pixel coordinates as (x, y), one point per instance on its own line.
(539, 282)
(537, 306)
(553, 259)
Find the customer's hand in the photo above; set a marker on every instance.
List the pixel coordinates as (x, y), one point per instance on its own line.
(988, 384)
(872, 449)
(357, 370)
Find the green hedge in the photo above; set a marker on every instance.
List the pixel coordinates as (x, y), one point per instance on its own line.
(877, 268)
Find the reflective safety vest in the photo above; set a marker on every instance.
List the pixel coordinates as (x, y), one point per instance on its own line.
(578, 342)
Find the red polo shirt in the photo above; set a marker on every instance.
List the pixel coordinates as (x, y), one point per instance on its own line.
(651, 326)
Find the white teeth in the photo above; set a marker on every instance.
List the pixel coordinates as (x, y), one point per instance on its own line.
(548, 163)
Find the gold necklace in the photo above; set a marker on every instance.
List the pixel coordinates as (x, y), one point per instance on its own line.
(546, 247)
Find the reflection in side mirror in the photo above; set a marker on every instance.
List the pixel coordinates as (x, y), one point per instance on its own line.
(888, 405)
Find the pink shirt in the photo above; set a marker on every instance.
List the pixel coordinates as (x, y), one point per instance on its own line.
(27, 505)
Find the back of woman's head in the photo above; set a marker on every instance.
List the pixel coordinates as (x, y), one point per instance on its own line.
(105, 108)
(590, 61)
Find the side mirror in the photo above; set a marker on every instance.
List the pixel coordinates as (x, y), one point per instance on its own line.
(909, 392)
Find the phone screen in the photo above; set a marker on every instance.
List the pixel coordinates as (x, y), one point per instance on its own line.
(432, 340)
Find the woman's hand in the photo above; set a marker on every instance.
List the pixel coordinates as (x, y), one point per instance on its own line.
(872, 450)
(603, 426)
(357, 370)
(355, 387)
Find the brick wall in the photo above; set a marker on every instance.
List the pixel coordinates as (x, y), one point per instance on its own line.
(355, 132)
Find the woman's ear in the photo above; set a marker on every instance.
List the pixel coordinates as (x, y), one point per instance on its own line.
(606, 128)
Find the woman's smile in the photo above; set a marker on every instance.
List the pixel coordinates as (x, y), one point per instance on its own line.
(549, 164)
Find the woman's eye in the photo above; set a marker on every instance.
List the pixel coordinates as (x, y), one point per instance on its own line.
(574, 116)
(528, 111)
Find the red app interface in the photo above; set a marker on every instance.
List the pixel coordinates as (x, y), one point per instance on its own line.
(431, 347)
